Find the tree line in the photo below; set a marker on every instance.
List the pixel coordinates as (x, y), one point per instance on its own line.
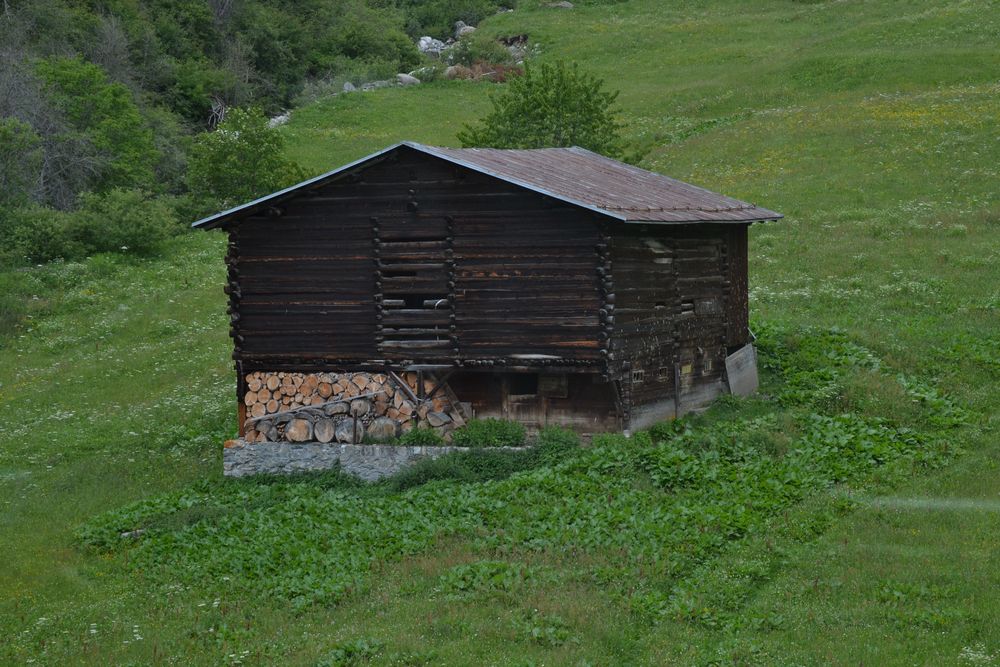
(106, 106)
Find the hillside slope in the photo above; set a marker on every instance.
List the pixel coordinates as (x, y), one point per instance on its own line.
(871, 126)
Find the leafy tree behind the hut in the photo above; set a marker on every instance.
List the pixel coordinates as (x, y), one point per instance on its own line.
(551, 105)
(241, 160)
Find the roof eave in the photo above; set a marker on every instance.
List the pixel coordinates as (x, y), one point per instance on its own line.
(771, 217)
(223, 217)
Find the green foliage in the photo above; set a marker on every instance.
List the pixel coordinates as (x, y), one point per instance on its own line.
(478, 48)
(352, 653)
(550, 105)
(489, 433)
(240, 161)
(547, 630)
(421, 436)
(106, 115)
(41, 234)
(117, 221)
(437, 17)
(485, 576)
(21, 156)
(708, 485)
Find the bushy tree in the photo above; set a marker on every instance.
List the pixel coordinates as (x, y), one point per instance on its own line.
(119, 221)
(20, 162)
(106, 115)
(551, 105)
(240, 161)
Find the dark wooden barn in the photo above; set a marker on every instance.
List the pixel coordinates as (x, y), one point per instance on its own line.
(551, 286)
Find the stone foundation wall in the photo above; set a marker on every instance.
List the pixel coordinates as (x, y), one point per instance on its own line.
(368, 462)
(341, 407)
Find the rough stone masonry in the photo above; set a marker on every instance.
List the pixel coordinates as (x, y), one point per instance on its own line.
(368, 462)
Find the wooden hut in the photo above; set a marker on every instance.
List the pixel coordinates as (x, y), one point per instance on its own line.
(550, 286)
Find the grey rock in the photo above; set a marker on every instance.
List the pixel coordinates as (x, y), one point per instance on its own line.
(349, 87)
(453, 71)
(369, 462)
(438, 418)
(373, 85)
(279, 120)
(406, 80)
(383, 429)
(461, 29)
(430, 46)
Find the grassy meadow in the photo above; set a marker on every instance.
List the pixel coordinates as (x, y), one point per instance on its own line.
(849, 514)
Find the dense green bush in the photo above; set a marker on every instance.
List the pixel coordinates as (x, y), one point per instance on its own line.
(421, 436)
(477, 48)
(39, 234)
(240, 161)
(106, 114)
(437, 17)
(551, 105)
(21, 158)
(125, 221)
(489, 433)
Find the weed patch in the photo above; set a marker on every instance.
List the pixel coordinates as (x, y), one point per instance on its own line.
(709, 483)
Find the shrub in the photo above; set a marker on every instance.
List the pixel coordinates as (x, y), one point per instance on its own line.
(40, 234)
(123, 221)
(105, 113)
(550, 105)
(489, 433)
(116, 221)
(421, 436)
(240, 160)
(352, 653)
(476, 48)
(20, 162)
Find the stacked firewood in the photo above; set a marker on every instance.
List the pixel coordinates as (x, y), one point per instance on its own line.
(346, 407)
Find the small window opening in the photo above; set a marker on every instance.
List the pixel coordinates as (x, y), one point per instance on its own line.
(524, 384)
(638, 376)
(660, 305)
(664, 372)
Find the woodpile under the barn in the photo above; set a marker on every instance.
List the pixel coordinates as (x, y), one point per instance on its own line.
(343, 407)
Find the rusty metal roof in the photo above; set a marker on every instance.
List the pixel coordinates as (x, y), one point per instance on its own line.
(573, 175)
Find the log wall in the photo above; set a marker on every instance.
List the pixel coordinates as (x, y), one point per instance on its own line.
(414, 260)
(680, 305)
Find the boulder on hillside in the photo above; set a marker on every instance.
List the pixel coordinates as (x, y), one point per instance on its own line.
(431, 46)
(349, 87)
(406, 79)
(462, 29)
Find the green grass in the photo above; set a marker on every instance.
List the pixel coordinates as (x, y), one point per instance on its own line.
(872, 126)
